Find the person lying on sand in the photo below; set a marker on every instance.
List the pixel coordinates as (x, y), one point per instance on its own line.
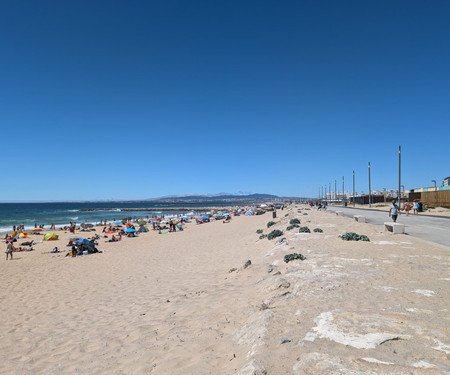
(23, 249)
(114, 238)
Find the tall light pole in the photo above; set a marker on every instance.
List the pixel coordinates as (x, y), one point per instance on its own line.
(370, 190)
(435, 194)
(399, 175)
(326, 197)
(343, 199)
(353, 188)
(335, 190)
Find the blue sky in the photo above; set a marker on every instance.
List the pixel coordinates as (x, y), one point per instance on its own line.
(133, 100)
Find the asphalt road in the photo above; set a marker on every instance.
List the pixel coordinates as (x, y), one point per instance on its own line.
(428, 228)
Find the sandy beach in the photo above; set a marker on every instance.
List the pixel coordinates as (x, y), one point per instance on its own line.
(184, 303)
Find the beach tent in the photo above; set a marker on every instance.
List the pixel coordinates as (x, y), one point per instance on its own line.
(142, 228)
(51, 237)
(21, 235)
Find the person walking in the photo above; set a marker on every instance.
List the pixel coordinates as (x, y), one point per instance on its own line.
(407, 208)
(415, 207)
(9, 249)
(394, 211)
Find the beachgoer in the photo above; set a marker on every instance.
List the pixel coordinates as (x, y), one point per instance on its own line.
(394, 211)
(9, 250)
(407, 208)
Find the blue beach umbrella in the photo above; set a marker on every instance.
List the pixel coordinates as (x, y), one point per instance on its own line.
(130, 230)
(117, 222)
(205, 217)
(82, 240)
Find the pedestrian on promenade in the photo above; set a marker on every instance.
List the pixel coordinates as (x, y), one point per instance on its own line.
(407, 208)
(415, 207)
(394, 211)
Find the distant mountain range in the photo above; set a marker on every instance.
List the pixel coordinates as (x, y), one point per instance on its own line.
(216, 197)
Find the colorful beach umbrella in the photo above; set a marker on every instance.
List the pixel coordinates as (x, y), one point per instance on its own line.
(130, 230)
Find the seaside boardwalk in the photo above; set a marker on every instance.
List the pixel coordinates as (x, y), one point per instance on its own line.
(190, 302)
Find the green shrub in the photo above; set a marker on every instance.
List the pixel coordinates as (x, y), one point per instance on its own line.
(318, 230)
(304, 230)
(259, 231)
(275, 233)
(270, 223)
(262, 236)
(294, 221)
(304, 213)
(294, 256)
(352, 236)
(290, 227)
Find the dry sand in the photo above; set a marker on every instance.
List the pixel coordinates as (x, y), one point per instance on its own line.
(168, 303)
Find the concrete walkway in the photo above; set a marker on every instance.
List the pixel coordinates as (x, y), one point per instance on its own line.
(428, 228)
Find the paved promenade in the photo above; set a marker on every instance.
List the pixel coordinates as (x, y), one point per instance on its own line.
(429, 228)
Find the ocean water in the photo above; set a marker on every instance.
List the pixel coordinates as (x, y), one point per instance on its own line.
(62, 213)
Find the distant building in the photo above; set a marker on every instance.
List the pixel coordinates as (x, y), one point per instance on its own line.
(446, 181)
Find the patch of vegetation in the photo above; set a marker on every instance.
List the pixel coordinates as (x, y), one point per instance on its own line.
(274, 234)
(293, 256)
(352, 236)
(262, 236)
(270, 223)
(259, 231)
(290, 227)
(304, 213)
(294, 221)
(318, 230)
(304, 230)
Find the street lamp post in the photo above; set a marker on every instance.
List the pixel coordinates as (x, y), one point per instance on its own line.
(353, 188)
(435, 194)
(399, 175)
(343, 194)
(370, 190)
(335, 191)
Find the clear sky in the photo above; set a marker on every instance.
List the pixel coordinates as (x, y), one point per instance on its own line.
(140, 99)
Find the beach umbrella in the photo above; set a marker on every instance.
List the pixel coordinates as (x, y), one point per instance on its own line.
(130, 230)
(205, 217)
(109, 232)
(51, 237)
(36, 229)
(82, 240)
(141, 222)
(117, 222)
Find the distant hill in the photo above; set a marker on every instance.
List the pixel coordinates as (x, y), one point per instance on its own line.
(219, 197)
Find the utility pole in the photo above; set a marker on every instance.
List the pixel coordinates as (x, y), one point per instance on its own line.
(399, 175)
(354, 188)
(435, 194)
(343, 195)
(370, 191)
(326, 197)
